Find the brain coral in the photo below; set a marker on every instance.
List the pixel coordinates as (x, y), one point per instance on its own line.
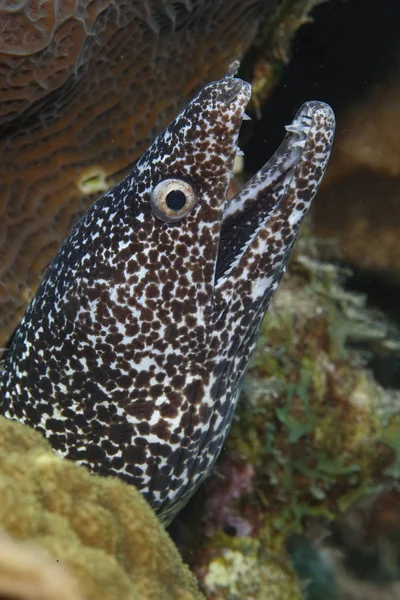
(102, 530)
(84, 86)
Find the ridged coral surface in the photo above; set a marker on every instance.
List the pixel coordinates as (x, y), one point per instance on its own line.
(27, 573)
(101, 530)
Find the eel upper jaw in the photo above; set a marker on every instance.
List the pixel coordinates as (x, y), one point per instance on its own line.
(270, 195)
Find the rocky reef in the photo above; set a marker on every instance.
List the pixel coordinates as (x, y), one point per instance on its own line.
(314, 432)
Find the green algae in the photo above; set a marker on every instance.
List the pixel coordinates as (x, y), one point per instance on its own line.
(320, 433)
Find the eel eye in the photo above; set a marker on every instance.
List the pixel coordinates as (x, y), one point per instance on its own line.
(172, 200)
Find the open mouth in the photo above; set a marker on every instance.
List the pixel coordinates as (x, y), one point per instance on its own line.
(287, 183)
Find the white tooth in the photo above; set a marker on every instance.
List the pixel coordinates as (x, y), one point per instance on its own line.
(239, 152)
(238, 165)
(292, 128)
(246, 117)
(298, 144)
(232, 69)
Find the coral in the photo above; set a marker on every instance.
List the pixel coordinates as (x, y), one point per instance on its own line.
(249, 573)
(27, 573)
(41, 46)
(358, 205)
(100, 529)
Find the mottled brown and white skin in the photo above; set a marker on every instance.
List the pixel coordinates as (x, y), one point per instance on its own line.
(131, 355)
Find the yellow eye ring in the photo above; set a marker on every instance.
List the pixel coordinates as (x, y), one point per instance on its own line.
(172, 199)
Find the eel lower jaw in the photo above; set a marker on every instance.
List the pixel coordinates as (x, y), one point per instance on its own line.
(263, 196)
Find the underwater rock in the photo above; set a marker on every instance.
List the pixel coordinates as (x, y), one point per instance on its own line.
(100, 529)
(358, 205)
(91, 85)
(355, 588)
(367, 539)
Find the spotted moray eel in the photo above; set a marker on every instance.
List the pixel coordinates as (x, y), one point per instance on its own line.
(131, 356)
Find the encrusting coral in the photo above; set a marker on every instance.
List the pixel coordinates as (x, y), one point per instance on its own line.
(99, 529)
(27, 573)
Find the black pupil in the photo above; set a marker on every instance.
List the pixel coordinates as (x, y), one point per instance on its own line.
(175, 200)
